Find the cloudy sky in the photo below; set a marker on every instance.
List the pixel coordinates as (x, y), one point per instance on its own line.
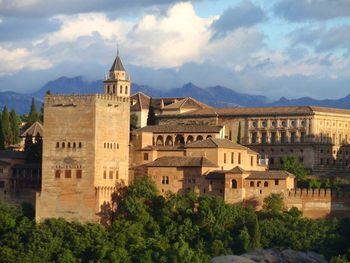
(276, 48)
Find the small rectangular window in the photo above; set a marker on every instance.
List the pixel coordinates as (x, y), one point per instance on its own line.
(232, 157)
(104, 175)
(78, 174)
(1, 170)
(2, 184)
(68, 174)
(57, 173)
(110, 174)
(224, 157)
(145, 156)
(239, 158)
(276, 182)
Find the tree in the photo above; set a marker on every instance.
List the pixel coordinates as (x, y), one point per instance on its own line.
(2, 139)
(274, 203)
(244, 240)
(292, 165)
(33, 114)
(6, 127)
(14, 126)
(133, 121)
(256, 235)
(239, 133)
(151, 119)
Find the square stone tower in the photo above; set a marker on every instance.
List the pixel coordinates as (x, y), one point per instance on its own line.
(85, 154)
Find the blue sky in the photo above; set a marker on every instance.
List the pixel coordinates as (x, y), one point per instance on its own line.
(275, 48)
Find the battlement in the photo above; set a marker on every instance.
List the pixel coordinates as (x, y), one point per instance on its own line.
(72, 99)
(316, 193)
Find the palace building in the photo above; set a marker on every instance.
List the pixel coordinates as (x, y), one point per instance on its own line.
(318, 137)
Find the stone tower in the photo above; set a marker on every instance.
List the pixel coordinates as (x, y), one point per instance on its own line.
(85, 151)
(116, 82)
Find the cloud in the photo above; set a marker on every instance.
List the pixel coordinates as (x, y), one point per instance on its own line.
(17, 28)
(245, 14)
(302, 10)
(44, 8)
(18, 59)
(322, 39)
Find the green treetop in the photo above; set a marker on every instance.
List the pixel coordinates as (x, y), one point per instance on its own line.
(33, 114)
(6, 127)
(151, 119)
(14, 120)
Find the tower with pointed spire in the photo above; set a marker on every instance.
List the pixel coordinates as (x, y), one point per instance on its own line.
(116, 81)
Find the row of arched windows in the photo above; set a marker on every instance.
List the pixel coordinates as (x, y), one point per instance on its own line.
(112, 89)
(68, 173)
(258, 184)
(111, 174)
(69, 145)
(179, 140)
(110, 145)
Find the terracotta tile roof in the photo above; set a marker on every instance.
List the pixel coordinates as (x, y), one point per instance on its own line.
(220, 175)
(181, 161)
(142, 101)
(218, 143)
(258, 111)
(187, 103)
(33, 130)
(163, 148)
(269, 175)
(181, 128)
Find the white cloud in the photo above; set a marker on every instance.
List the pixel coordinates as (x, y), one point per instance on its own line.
(18, 59)
(76, 26)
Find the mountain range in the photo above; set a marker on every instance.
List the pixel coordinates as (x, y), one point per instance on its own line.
(216, 96)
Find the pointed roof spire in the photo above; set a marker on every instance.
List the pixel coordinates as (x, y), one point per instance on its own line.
(117, 64)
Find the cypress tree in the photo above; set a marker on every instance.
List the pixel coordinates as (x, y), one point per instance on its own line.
(33, 114)
(239, 133)
(2, 140)
(151, 119)
(6, 127)
(14, 126)
(256, 235)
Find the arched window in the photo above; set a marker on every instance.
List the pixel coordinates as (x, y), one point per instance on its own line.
(266, 184)
(179, 140)
(251, 183)
(160, 141)
(126, 89)
(209, 136)
(259, 183)
(199, 138)
(63, 145)
(121, 89)
(113, 89)
(189, 139)
(234, 184)
(74, 145)
(68, 145)
(80, 145)
(169, 141)
(57, 145)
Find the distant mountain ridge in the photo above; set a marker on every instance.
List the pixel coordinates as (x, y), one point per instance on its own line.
(217, 96)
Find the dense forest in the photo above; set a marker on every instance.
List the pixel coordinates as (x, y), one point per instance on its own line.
(147, 227)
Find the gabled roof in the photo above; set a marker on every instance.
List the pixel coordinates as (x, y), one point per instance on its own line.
(236, 170)
(181, 161)
(187, 103)
(33, 130)
(181, 128)
(258, 175)
(218, 143)
(142, 101)
(278, 174)
(261, 111)
(117, 65)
